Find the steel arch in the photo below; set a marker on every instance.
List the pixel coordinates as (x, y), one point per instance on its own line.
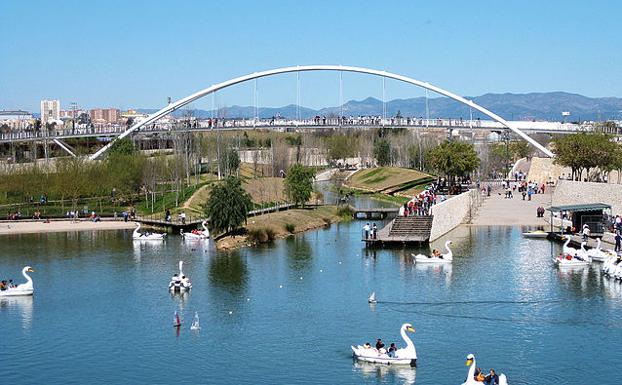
(256, 75)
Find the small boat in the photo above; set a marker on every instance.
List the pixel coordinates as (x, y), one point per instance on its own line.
(195, 323)
(22, 289)
(448, 257)
(403, 356)
(539, 234)
(179, 282)
(372, 298)
(470, 362)
(137, 236)
(196, 234)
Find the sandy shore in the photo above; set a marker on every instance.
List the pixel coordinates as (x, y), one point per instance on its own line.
(29, 227)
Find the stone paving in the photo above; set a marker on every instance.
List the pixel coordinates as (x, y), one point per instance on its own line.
(499, 211)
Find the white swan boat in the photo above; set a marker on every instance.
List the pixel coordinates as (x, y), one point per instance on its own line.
(21, 289)
(597, 254)
(470, 380)
(138, 236)
(610, 265)
(403, 356)
(578, 259)
(179, 282)
(444, 258)
(196, 234)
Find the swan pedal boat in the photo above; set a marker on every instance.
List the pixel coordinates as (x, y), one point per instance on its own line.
(404, 356)
(444, 258)
(137, 236)
(471, 363)
(177, 284)
(536, 234)
(599, 255)
(563, 261)
(196, 234)
(23, 289)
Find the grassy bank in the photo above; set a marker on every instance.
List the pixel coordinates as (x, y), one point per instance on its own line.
(280, 225)
(386, 179)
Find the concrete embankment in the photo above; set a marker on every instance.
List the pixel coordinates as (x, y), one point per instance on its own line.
(454, 211)
(570, 192)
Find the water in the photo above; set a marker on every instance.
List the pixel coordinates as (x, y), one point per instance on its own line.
(102, 313)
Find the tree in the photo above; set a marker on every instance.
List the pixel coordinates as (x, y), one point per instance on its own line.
(228, 205)
(123, 146)
(454, 159)
(584, 151)
(382, 152)
(299, 184)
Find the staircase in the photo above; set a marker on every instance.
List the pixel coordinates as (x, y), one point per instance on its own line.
(410, 229)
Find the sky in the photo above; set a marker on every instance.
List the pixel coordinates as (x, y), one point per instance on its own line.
(135, 54)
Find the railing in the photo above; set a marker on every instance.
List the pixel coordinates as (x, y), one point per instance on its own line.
(209, 124)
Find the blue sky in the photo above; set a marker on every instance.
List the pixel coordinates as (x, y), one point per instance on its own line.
(137, 53)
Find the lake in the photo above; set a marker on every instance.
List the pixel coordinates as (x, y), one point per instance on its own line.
(287, 313)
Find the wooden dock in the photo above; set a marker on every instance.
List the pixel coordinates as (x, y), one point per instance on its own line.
(413, 229)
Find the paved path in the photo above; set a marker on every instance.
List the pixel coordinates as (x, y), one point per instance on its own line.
(497, 210)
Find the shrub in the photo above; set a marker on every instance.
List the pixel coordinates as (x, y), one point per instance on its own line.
(290, 227)
(345, 212)
(261, 235)
(327, 221)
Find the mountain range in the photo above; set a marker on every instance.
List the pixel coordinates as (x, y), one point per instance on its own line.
(531, 106)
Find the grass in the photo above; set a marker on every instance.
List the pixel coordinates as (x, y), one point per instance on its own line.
(386, 178)
(162, 202)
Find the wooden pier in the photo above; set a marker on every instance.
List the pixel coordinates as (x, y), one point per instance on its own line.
(413, 229)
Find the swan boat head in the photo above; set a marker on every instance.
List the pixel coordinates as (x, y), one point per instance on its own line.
(470, 359)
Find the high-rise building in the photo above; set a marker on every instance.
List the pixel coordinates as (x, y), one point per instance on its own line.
(50, 111)
(104, 115)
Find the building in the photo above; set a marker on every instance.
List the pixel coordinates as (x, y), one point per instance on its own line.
(50, 111)
(14, 120)
(104, 116)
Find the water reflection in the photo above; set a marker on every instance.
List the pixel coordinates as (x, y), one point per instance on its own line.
(147, 248)
(22, 305)
(229, 271)
(386, 373)
(299, 253)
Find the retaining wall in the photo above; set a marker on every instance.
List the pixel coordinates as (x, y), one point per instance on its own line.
(570, 192)
(454, 211)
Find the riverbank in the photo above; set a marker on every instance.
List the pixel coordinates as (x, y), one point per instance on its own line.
(30, 227)
(302, 220)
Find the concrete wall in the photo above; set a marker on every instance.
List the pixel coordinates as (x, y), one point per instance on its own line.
(454, 211)
(570, 192)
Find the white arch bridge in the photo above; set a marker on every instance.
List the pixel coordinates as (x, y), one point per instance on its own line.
(256, 75)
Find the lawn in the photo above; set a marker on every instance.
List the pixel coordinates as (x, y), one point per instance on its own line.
(386, 179)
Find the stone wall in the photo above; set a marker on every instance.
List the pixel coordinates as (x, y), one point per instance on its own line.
(454, 211)
(542, 170)
(570, 192)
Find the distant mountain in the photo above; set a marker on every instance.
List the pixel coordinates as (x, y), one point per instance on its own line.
(532, 106)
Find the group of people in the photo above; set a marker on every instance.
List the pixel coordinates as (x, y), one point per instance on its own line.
(540, 212)
(527, 189)
(381, 349)
(492, 378)
(421, 203)
(5, 285)
(370, 232)
(180, 281)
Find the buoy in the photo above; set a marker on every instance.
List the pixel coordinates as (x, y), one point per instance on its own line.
(321, 271)
(280, 286)
(300, 278)
(176, 320)
(230, 312)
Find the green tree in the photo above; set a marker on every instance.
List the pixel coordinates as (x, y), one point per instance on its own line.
(228, 205)
(382, 152)
(299, 184)
(584, 152)
(341, 147)
(453, 159)
(123, 146)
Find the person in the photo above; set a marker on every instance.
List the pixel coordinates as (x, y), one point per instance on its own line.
(618, 239)
(374, 231)
(3, 285)
(392, 349)
(366, 229)
(367, 345)
(524, 194)
(167, 215)
(492, 378)
(379, 344)
(185, 281)
(585, 232)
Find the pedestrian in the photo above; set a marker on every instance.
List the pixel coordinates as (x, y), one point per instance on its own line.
(366, 229)
(618, 239)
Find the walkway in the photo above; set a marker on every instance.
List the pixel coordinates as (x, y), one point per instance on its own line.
(499, 211)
